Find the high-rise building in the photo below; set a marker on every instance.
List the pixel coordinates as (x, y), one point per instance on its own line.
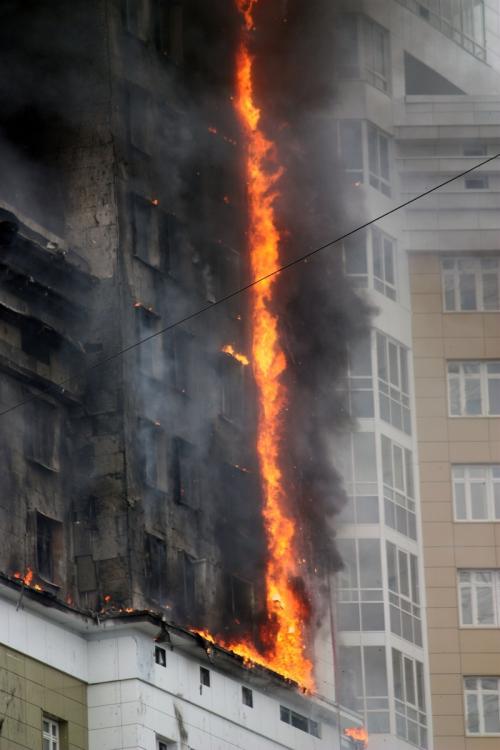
(418, 104)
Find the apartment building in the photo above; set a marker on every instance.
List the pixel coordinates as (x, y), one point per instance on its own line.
(418, 102)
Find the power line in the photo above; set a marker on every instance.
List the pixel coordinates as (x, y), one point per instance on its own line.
(246, 287)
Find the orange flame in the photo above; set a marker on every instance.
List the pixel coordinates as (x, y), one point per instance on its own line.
(229, 349)
(357, 733)
(27, 579)
(285, 632)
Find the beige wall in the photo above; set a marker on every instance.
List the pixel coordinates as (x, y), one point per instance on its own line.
(442, 441)
(27, 690)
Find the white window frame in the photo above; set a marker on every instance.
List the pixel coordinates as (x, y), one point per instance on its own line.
(51, 733)
(376, 178)
(474, 584)
(467, 480)
(402, 496)
(407, 710)
(350, 589)
(369, 279)
(462, 377)
(405, 603)
(480, 692)
(397, 392)
(363, 173)
(453, 275)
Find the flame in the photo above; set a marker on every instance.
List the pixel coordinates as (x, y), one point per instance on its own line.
(229, 349)
(27, 579)
(284, 632)
(357, 733)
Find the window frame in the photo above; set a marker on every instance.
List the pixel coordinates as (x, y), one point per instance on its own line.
(361, 172)
(54, 740)
(362, 63)
(362, 700)
(369, 279)
(455, 275)
(483, 376)
(412, 686)
(490, 481)
(359, 490)
(350, 588)
(479, 692)
(394, 494)
(309, 726)
(474, 585)
(404, 603)
(397, 394)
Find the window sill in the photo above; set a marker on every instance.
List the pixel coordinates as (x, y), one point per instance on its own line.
(42, 465)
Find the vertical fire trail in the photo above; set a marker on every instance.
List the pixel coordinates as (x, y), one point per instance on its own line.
(283, 636)
(285, 607)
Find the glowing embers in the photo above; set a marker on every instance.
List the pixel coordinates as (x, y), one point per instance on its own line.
(241, 358)
(358, 734)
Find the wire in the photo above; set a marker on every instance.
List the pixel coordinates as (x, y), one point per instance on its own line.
(246, 287)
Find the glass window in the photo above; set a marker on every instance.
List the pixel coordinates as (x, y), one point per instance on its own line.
(299, 721)
(350, 149)
(479, 595)
(378, 160)
(357, 466)
(471, 283)
(362, 681)
(370, 261)
(460, 20)
(482, 701)
(409, 697)
(360, 381)
(50, 734)
(399, 501)
(402, 569)
(360, 594)
(474, 388)
(393, 383)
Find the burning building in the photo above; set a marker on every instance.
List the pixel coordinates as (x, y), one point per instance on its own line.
(165, 545)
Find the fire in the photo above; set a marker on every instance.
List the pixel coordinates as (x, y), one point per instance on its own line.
(284, 634)
(27, 579)
(229, 349)
(357, 733)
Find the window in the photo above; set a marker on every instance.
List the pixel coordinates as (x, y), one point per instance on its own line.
(35, 341)
(479, 593)
(362, 683)
(247, 697)
(204, 676)
(474, 388)
(165, 744)
(180, 347)
(50, 734)
(239, 598)
(137, 19)
(393, 384)
(160, 656)
(150, 353)
(482, 705)
(49, 546)
(360, 594)
(42, 434)
(358, 468)
(139, 118)
(409, 697)
(475, 148)
(370, 261)
(187, 581)
(155, 567)
(476, 492)
(365, 154)
(404, 600)
(399, 493)
(360, 380)
(462, 21)
(222, 272)
(364, 51)
(471, 283)
(145, 234)
(476, 182)
(232, 380)
(153, 449)
(185, 476)
(299, 722)
(378, 160)
(384, 263)
(170, 30)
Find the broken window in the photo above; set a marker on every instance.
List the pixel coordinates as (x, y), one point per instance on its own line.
(204, 676)
(42, 434)
(139, 118)
(35, 342)
(222, 274)
(155, 567)
(49, 538)
(170, 25)
(160, 656)
(153, 451)
(185, 479)
(188, 581)
(137, 18)
(232, 379)
(180, 348)
(247, 697)
(239, 598)
(145, 231)
(150, 353)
